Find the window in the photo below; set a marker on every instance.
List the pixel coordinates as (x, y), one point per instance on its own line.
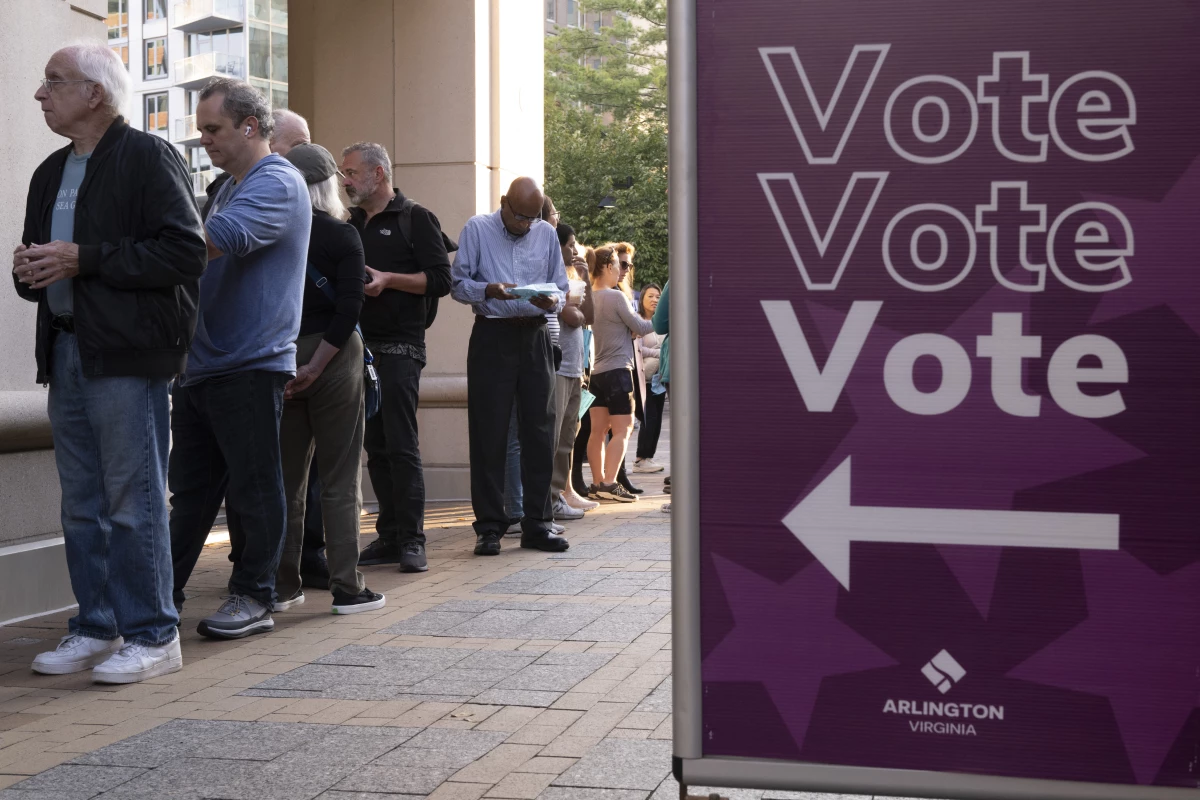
(574, 14)
(260, 10)
(156, 58)
(122, 50)
(279, 53)
(156, 113)
(230, 41)
(552, 10)
(260, 51)
(596, 24)
(118, 21)
(279, 97)
(156, 9)
(279, 13)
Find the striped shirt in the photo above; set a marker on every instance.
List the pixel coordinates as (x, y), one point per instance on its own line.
(488, 253)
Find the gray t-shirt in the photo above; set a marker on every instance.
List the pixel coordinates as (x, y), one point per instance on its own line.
(614, 329)
(571, 341)
(62, 229)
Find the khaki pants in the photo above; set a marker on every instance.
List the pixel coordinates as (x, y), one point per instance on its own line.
(327, 417)
(566, 417)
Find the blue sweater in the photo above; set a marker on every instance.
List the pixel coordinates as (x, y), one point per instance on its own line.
(251, 297)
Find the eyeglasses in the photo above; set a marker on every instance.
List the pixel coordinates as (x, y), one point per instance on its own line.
(49, 85)
(523, 218)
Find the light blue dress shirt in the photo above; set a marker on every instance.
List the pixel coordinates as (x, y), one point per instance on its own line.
(488, 253)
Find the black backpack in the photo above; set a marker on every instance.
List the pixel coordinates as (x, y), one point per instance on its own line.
(405, 222)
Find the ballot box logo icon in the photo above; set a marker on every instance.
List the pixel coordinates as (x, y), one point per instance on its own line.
(943, 671)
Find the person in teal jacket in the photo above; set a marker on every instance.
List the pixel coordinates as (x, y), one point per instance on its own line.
(662, 326)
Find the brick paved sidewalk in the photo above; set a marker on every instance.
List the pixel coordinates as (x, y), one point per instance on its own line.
(528, 675)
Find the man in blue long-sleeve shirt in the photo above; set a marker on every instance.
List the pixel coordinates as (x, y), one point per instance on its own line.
(510, 359)
(228, 403)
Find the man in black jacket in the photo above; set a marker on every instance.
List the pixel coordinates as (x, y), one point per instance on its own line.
(112, 251)
(407, 269)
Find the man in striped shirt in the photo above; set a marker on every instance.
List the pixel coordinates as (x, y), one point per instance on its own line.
(510, 360)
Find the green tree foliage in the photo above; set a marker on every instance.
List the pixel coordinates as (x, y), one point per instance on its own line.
(606, 129)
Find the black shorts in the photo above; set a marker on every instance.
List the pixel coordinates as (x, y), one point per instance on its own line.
(614, 390)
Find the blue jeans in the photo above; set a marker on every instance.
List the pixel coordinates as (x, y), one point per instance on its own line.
(226, 446)
(514, 495)
(111, 437)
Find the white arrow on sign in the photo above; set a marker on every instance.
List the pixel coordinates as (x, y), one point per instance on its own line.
(826, 524)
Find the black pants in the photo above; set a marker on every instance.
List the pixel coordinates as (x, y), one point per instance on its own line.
(393, 451)
(314, 527)
(225, 445)
(652, 425)
(507, 363)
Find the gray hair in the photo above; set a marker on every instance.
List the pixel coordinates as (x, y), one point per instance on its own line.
(376, 155)
(100, 64)
(325, 197)
(241, 101)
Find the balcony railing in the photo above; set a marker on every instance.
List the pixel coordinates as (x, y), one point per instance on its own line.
(201, 181)
(195, 71)
(195, 16)
(186, 132)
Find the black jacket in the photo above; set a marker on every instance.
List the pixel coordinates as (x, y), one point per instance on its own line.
(141, 254)
(396, 316)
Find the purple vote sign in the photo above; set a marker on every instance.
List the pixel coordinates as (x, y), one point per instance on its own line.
(946, 349)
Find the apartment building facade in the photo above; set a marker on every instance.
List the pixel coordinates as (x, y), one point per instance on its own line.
(172, 49)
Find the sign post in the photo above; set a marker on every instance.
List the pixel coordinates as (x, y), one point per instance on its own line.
(935, 337)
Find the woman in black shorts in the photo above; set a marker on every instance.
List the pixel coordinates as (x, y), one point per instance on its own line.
(613, 330)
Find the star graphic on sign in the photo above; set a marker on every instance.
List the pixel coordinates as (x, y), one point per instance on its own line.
(1118, 652)
(1165, 265)
(779, 626)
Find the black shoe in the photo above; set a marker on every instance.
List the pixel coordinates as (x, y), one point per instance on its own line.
(314, 570)
(629, 487)
(550, 542)
(366, 600)
(412, 557)
(379, 551)
(488, 544)
(593, 492)
(667, 485)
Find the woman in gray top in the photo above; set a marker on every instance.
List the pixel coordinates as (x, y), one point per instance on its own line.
(613, 330)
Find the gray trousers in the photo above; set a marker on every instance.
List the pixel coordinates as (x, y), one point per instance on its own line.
(326, 417)
(566, 419)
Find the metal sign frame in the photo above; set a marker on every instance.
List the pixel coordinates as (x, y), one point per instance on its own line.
(691, 768)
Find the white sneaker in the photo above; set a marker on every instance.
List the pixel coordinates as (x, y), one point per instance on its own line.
(666, 508)
(283, 605)
(137, 662)
(76, 653)
(647, 465)
(581, 503)
(564, 511)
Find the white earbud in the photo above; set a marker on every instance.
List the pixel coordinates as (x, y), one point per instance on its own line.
(247, 130)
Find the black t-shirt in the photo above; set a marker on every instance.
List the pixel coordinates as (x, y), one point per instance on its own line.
(396, 316)
(336, 252)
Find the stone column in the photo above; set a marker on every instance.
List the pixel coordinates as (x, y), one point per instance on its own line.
(454, 90)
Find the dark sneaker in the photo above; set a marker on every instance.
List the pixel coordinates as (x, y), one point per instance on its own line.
(593, 492)
(412, 557)
(314, 569)
(283, 605)
(238, 616)
(550, 542)
(615, 491)
(366, 600)
(488, 544)
(667, 485)
(380, 551)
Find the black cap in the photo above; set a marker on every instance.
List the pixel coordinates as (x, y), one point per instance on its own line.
(315, 163)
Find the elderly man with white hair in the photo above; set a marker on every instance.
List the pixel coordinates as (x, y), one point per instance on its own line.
(112, 252)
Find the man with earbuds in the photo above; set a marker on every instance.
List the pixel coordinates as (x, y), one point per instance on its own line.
(227, 404)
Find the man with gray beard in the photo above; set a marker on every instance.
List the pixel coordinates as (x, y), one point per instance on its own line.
(408, 268)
